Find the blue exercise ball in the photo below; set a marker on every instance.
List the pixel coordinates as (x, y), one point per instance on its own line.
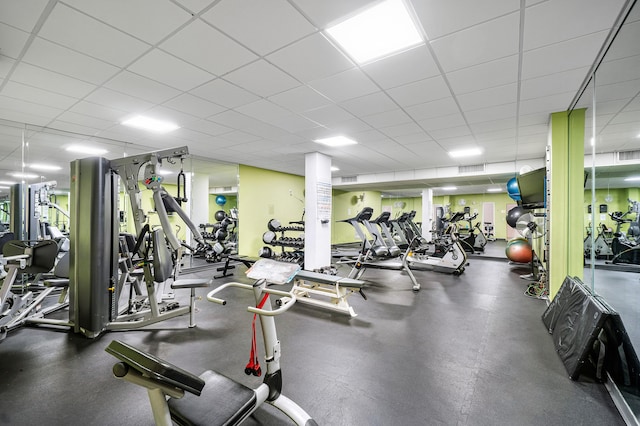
(513, 190)
(221, 200)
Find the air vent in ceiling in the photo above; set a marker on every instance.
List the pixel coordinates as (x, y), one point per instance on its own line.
(628, 155)
(471, 169)
(227, 188)
(349, 179)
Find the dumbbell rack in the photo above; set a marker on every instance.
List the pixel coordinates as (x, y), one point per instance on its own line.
(276, 236)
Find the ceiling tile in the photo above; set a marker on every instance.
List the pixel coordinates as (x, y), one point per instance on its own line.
(85, 120)
(412, 138)
(330, 11)
(38, 96)
(433, 109)
(426, 90)
(98, 111)
(163, 113)
(49, 80)
(169, 70)
(13, 40)
(159, 18)
(402, 68)
(67, 125)
(565, 81)
(117, 100)
(263, 110)
(224, 93)
(620, 70)
(195, 6)
(555, 21)
(262, 78)
(209, 127)
(626, 43)
(452, 132)
(493, 126)
(554, 103)
(6, 64)
(26, 108)
(300, 99)
(489, 97)
(258, 24)
(238, 136)
(483, 43)
(345, 85)
(489, 74)
(23, 15)
(328, 115)
(294, 123)
(369, 104)
(572, 54)
(98, 40)
(218, 55)
(56, 58)
(350, 126)
(491, 113)
(194, 105)
(387, 118)
(399, 130)
(140, 87)
(442, 122)
(439, 18)
(311, 58)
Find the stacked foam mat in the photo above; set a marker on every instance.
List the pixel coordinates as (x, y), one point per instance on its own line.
(589, 336)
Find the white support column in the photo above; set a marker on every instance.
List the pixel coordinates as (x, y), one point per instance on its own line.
(317, 226)
(427, 213)
(198, 205)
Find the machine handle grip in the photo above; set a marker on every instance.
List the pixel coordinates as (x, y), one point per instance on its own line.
(291, 298)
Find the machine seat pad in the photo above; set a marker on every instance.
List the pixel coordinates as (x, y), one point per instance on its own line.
(223, 402)
(191, 283)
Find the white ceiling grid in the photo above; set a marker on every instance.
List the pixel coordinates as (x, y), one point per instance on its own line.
(255, 81)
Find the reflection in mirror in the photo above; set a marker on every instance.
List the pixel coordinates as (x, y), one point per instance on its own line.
(35, 155)
(612, 134)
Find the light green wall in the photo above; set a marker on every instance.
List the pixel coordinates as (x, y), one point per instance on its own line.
(500, 201)
(394, 205)
(264, 195)
(619, 203)
(346, 204)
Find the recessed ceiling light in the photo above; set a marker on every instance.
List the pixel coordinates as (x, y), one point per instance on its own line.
(7, 182)
(83, 149)
(334, 169)
(381, 30)
(164, 172)
(44, 167)
(449, 188)
(336, 141)
(465, 152)
(4, 187)
(151, 124)
(23, 175)
(494, 189)
(632, 178)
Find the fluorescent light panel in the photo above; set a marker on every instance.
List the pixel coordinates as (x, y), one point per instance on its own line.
(7, 182)
(494, 189)
(47, 167)
(465, 153)
(632, 179)
(83, 149)
(381, 30)
(23, 175)
(336, 141)
(334, 169)
(151, 124)
(449, 188)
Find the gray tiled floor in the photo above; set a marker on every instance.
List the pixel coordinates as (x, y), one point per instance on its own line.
(468, 350)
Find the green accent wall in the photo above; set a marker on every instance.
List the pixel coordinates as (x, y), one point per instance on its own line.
(566, 197)
(346, 204)
(264, 195)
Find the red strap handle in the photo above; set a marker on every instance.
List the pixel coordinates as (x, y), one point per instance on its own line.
(253, 366)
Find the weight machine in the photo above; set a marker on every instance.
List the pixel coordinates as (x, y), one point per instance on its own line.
(95, 255)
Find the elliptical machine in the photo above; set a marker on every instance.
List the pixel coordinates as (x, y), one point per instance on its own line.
(626, 248)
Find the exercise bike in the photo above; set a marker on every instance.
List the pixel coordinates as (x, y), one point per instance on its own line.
(626, 248)
(602, 243)
(213, 398)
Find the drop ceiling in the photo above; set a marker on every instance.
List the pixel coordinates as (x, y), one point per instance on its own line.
(255, 82)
